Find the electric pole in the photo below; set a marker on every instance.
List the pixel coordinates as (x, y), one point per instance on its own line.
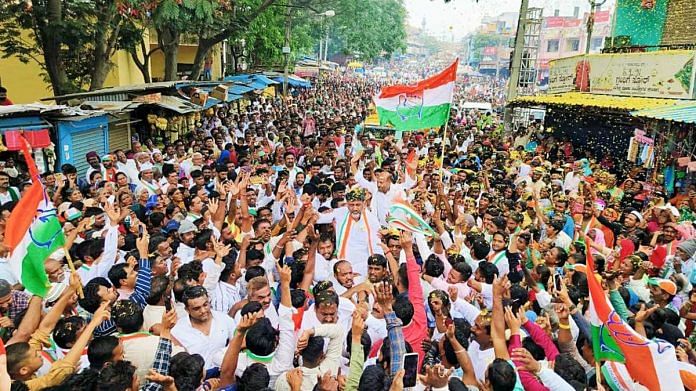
(286, 48)
(517, 53)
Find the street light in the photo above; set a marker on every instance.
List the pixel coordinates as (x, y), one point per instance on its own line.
(288, 28)
(590, 22)
(325, 14)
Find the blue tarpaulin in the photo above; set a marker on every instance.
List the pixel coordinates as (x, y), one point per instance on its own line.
(257, 82)
(239, 89)
(294, 81)
(211, 102)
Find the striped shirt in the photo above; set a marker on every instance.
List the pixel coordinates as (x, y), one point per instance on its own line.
(141, 291)
(225, 296)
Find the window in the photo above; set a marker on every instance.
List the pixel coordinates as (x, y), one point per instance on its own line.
(552, 45)
(597, 43)
(572, 45)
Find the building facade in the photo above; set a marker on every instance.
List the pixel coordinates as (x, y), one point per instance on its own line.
(566, 36)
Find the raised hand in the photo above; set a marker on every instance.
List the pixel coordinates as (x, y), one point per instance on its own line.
(512, 321)
(384, 296)
(644, 313)
(102, 313)
(526, 361)
(407, 242)
(156, 377)
(358, 325)
(326, 382)
(294, 378)
(75, 282)
(220, 248)
(169, 319)
(285, 274)
(449, 333)
(436, 376)
(142, 243)
(398, 381)
(247, 321)
(113, 212)
(500, 286)
(213, 205)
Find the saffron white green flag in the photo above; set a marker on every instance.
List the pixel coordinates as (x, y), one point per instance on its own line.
(423, 105)
(33, 233)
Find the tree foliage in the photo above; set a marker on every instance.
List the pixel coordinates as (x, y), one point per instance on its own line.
(480, 41)
(72, 40)
(369, 28)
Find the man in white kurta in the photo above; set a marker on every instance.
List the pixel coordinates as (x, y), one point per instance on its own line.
(356, 231)
(384, 192)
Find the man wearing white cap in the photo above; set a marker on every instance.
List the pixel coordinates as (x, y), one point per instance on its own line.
(147, 181)
(188, 164)
(157, 159)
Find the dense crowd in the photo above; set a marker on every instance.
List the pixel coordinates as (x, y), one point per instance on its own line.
(257, 253)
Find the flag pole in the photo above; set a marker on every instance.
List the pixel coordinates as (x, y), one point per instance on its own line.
(444, 133)
(71, 265)
(444, 144)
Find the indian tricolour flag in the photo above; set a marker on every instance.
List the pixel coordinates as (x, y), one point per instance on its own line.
(652, 363)
(421, 106)
(33, 233)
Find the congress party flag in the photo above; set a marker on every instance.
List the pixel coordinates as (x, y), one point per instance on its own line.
(421, 106)
(652, 363)
(33, 233)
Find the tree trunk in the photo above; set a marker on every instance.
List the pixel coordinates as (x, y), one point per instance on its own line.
(169, 43)
(144, 65)
(49, 31)
(104, 47)
(204, 47)
(205, 44)
(235, 59)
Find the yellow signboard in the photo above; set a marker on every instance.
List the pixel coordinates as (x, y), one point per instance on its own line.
(664, 74)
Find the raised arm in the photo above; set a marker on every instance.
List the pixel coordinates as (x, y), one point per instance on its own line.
(498, 319)
(415, 289)
(357, 355)
(311, 257)
(100, 315)
(144, 279)
(110, 254)
(394, 326)
(30, 321)
(469, 376)
(48, 323)
(229, 361)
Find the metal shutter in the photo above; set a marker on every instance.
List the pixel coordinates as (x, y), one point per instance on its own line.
(84, 142)
(119, 133)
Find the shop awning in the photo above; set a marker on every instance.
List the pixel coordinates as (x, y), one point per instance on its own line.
(239, 89)
(685, 113)
(177, 105)
(601, 101)
(257, 81)
(211, 102)
(294, 81)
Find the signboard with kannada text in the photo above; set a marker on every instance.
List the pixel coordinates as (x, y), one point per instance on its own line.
(665, 74)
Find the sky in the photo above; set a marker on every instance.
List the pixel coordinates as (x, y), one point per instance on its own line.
(465, 15)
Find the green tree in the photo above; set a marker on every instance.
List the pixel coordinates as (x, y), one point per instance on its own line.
(265, 36)
(72, 40)
(370, 28)
(230, 22)
(480, 41)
